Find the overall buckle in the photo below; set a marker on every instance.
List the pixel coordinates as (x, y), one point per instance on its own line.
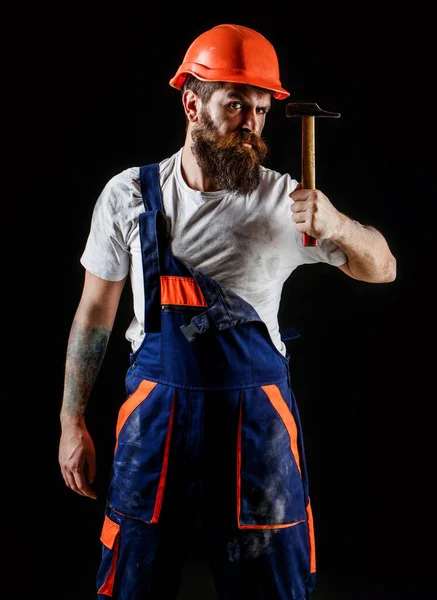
(190, 331)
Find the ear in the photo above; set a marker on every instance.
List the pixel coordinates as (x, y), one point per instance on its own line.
(191, 102)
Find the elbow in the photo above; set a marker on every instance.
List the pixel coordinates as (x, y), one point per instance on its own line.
(389, 271)
(392, 269)
(385, 272)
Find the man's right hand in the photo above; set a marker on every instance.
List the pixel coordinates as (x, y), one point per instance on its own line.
(77, 457)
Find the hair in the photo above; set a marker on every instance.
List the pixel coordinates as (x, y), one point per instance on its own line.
(205, 89)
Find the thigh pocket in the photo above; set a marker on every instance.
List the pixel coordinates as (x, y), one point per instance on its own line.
(110, 538)
(270, 490)
(141, 458)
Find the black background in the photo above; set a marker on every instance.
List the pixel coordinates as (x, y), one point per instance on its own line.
(92, 96)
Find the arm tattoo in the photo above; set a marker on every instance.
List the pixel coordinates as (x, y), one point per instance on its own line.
(85, 353)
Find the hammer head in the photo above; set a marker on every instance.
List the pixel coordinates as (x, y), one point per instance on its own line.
(307, 109)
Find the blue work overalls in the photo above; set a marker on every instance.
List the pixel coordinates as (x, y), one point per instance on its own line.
(210, 423)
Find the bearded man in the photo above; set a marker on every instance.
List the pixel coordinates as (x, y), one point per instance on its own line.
(209, 423)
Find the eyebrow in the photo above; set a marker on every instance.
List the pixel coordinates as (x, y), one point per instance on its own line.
(244, 98)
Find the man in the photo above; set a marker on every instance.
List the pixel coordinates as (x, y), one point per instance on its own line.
(209, 237)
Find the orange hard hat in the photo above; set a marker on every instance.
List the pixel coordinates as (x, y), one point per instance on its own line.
(232, 53)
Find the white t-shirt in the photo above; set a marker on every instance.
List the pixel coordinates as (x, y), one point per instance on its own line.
(248, 244)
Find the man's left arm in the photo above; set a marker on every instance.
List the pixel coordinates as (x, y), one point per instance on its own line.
(369, 257)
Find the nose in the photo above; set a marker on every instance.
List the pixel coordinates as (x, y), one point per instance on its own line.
(250, 122)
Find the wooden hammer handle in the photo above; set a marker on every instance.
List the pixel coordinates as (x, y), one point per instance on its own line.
(308, 166)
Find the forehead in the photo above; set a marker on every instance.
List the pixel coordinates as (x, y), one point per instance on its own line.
(243, 92)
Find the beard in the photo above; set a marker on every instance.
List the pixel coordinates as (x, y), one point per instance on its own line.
(224, 159)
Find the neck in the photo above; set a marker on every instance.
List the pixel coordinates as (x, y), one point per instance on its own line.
(192, 173)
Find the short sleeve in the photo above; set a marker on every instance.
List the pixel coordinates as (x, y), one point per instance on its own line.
(326, 251)
(106, 252)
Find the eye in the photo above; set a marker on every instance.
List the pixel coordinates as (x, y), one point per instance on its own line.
(261, 110)
(236, 104)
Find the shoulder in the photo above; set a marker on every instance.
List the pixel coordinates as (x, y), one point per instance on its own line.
(273, 191)
(122, 183)
(274, 181)
(168, 166)
(129, 180)
(121, 193)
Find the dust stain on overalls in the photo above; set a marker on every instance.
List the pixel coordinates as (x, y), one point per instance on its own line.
(210, 423)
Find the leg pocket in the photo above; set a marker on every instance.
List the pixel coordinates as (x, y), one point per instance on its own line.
(270, 487)
(110, 538)
(143, 436)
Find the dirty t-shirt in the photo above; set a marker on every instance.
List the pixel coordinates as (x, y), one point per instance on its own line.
(248, 244)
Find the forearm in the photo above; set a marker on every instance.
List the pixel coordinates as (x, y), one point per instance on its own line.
(369, 256)
(86, 349)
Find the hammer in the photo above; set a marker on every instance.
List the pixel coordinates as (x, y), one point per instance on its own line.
(308, 110)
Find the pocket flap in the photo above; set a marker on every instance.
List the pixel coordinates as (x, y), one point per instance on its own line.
(109, 533)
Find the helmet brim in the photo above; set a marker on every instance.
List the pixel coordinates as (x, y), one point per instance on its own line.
(237, 76)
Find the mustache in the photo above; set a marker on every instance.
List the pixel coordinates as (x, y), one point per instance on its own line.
(237, 138)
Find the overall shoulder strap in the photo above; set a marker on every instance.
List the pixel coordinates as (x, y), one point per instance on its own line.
(153, 239)
(150, 187)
